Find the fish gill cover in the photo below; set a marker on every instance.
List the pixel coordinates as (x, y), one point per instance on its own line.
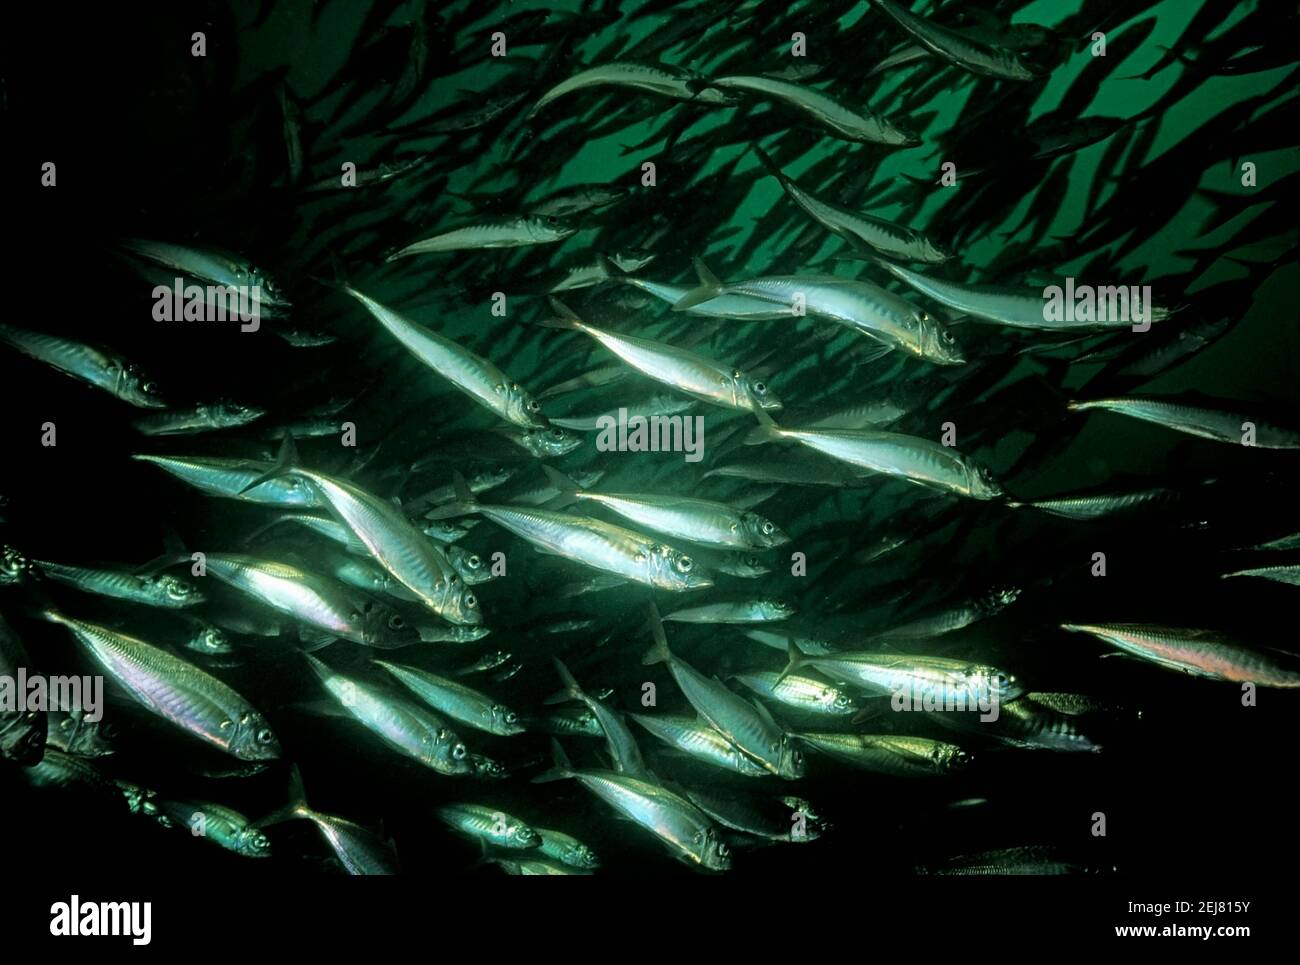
(639, 437)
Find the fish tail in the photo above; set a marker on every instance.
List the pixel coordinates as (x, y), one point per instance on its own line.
(567, 488)
(571, 689)
(767, 162)
(797, 658)
(659, 652)
(464, 503)
(766, 431)
(295, 808)
(285, 463)
(710, 287)
(562, 768)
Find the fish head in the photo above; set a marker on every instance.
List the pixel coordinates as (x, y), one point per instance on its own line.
(210, 640)
(996, 683)
(744, 565)
(252, 843)
(835, 701)
(762, 532)
(550, 443)
(176, 591)
(672, 569)
(444, 530)
(470, 565)
(710, 850)
(450, 755)
(949, 757)
(548, 227)
(14, 567)
(505, 720)
(982, 483)
(937, 343)
(754, 390)
(383, 626)
(254, 740)
(521, 408)
(580, 856)
(459, 604)
(138, 389)
(521, 835)
(486, 767)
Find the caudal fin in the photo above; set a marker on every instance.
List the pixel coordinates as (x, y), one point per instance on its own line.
(285, 463)
(566, 487)
(297, 806)
(766, 431)
(464, 503)
(659, 653)
(797, 658)
(562, 768)
(709, 288)
(571, 689)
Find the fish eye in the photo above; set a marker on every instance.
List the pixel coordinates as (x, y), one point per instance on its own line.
(458, 752)
(264, 736)
(768, 527)
(760, 388)
(534, 405)
(473, 562)
(557, 433)
(470, 601)
(396, 622)
(797, 757)
(947, 338)
(723, 850)
(149, 388)
(684, 563)
(511, 717)
(751, 561)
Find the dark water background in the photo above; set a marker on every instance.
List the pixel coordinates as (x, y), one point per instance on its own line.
(151, 143)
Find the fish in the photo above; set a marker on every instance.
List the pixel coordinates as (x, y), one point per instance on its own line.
(1205, 422)
(642, 77)
(861, 126)
(214, 267)
(700, 741)
(681, 517)
(687, 832)
(593, 543)
(686, 371)
(746, 725)
(199, 418)
(113, 374)
(486, 824)
(622, 746)
(883, 237)
(739, 611)
(1199, 653)
(891, 754)
(513, 232)
(801, 693)
(472, 374)
(160, 590)
(457, 701)
(937, 679)
(917, 460)
(390, 538)
(958, 47)
(407, 728)
(177, 691)
(328, 607)
(223, 826)
(237, 479)
(858, 305)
